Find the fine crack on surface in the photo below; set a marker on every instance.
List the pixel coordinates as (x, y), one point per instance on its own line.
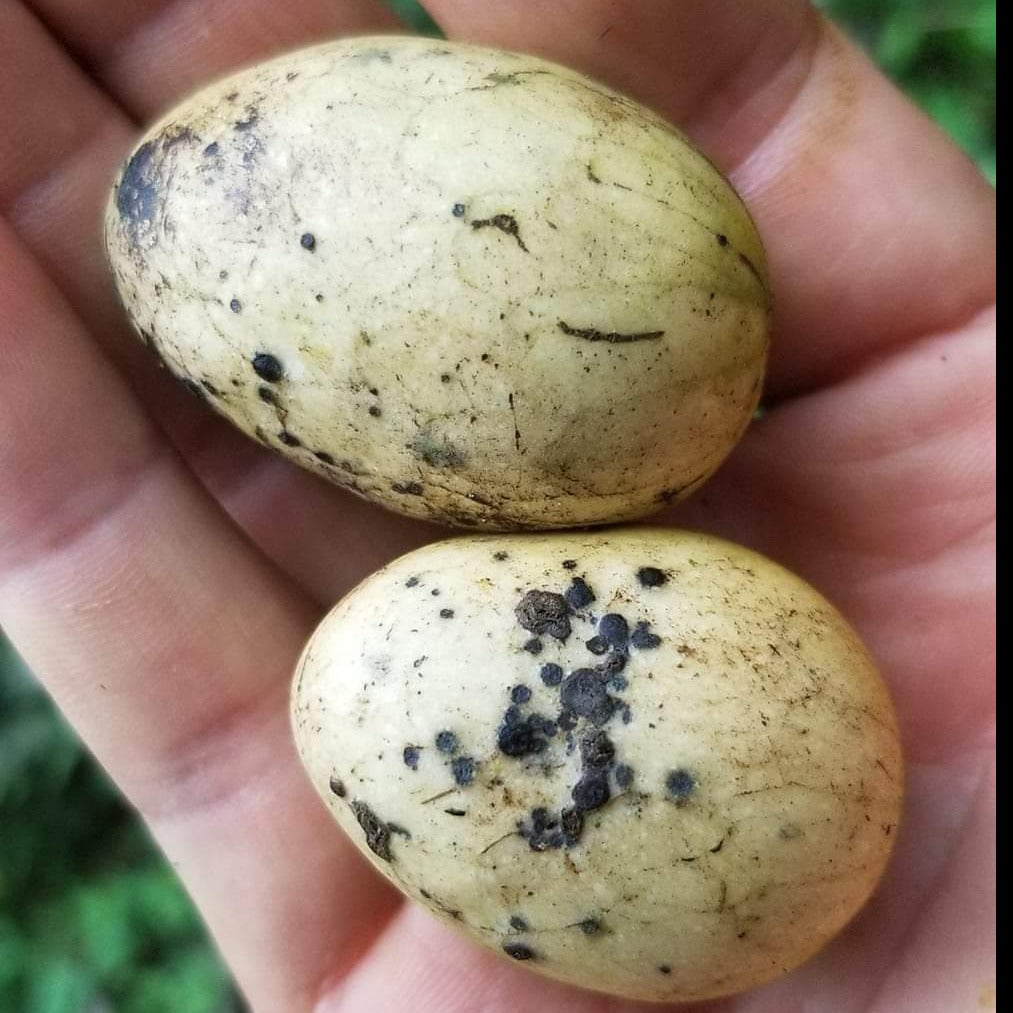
(612, 337)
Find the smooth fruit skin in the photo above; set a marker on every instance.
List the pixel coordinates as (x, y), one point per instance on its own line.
(470, 285)
(645, 762)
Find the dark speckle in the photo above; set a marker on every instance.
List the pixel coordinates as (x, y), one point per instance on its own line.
(544, 612)
(463, 769)
(505, 223)
(210, 388)
(456, 812)
(408, 488)
(614, 628)
(324, 457)
(590, 792)
(589, 926)
(651, 576)
(235, 305)
(519, 736)
(500, 556)
(680, 784)
(533, 646)
(446, 742)
(211, 150)
(308, 241)
(597, 750)
(518, 924)
(137, 196)
(519, 951)
(664, 968)
(268, 367)
(569, 564)
(643, 639)
(377, 832)
(412, 582)
(337, 787)
(584, 694)
(458, 210)
(579, 594)
(551, 674)
(520, 694)
(375, 411)
(411, 757)
(267, 395)
(446, 613)
(248, 122)
(624, 775)
(289, 439)
(721, 238)
(597, 645)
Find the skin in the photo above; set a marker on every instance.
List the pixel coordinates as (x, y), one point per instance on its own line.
(472, 286)
(716, 792)
(161, 574)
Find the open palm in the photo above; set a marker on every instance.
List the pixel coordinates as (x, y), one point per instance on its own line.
(161, 573)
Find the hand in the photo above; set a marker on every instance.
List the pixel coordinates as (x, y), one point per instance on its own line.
(161, 573)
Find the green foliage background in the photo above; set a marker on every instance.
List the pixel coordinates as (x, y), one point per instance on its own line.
(92, 919)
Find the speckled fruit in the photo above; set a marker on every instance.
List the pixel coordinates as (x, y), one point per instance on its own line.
(470, 285)
(650, 763)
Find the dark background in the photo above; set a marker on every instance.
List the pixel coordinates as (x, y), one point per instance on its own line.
(92, 919)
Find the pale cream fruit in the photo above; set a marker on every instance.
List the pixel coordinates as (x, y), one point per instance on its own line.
(470, 285)
(646, 762)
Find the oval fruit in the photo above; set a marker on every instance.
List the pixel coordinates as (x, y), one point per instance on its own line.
(470, 285)
(646, 762)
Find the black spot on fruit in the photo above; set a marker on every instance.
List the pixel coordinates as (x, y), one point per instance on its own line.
(533, 646)
(544, 612)
(446, 613)
(235, 305)
(268, 367)
(377, 832)
(411, 757)
(551, 674)
(519, 951)
(138, 196)
(522, 736)
(337, 787)
(520, 694)
(597, 645)
(446, 742)
(324, 457)
(289, 439)
(590, 926)
(463, 770)
(651, 576)
(458, 210)
(584, 694)
(680, 784)
(643, 639)
(590, 792)
(614, 629)
(518, 924)
(624, 775)
(579, 595)
(505, 223)
(308, 241)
